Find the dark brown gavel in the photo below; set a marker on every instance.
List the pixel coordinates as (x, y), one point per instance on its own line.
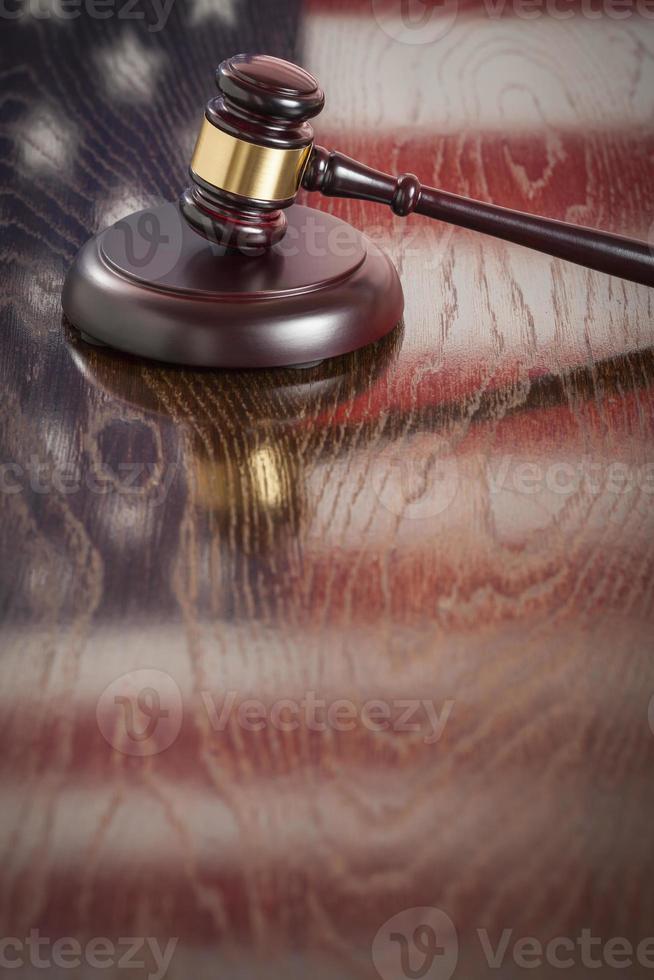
(255, 150)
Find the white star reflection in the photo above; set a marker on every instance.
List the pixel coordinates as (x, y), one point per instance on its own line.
(129, 70)
(223, 10)
(46, 141)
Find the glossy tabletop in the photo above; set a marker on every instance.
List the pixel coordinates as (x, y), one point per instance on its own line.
(288, 654)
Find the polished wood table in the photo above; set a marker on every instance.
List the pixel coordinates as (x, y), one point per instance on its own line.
(460, 520)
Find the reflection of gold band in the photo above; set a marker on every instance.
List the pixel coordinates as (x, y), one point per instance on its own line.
(263, 173)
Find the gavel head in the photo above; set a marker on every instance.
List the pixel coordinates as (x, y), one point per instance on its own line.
(252, 150)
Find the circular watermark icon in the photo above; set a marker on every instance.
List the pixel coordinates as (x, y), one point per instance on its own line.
(415, 21)
(416, 486)
(416, 944)
(141, 712)
(150, 241)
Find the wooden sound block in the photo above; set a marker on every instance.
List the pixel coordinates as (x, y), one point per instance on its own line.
(152, 286)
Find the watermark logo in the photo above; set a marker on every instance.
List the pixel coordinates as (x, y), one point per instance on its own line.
(416, 944)
(419, 717)
(151, 241)
(415, 21)
(140, 713)
(140, 953)
(148, 480)
(613, 483)
(613, 10)
(417, 486)
(427, 21)
(585, 951)
(154, 13)
(422, 944)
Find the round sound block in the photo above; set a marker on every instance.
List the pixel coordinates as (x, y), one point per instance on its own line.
(151, 286)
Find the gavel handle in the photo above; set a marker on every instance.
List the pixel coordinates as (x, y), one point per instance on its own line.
(336, 175)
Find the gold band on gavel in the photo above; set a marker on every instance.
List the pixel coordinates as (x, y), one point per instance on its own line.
(263, 173)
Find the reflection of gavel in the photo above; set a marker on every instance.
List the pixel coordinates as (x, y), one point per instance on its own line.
(255, 150)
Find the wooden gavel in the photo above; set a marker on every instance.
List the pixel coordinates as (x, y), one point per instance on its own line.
(255, 150)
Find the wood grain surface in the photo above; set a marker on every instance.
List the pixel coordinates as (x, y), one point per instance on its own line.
(462, 517)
